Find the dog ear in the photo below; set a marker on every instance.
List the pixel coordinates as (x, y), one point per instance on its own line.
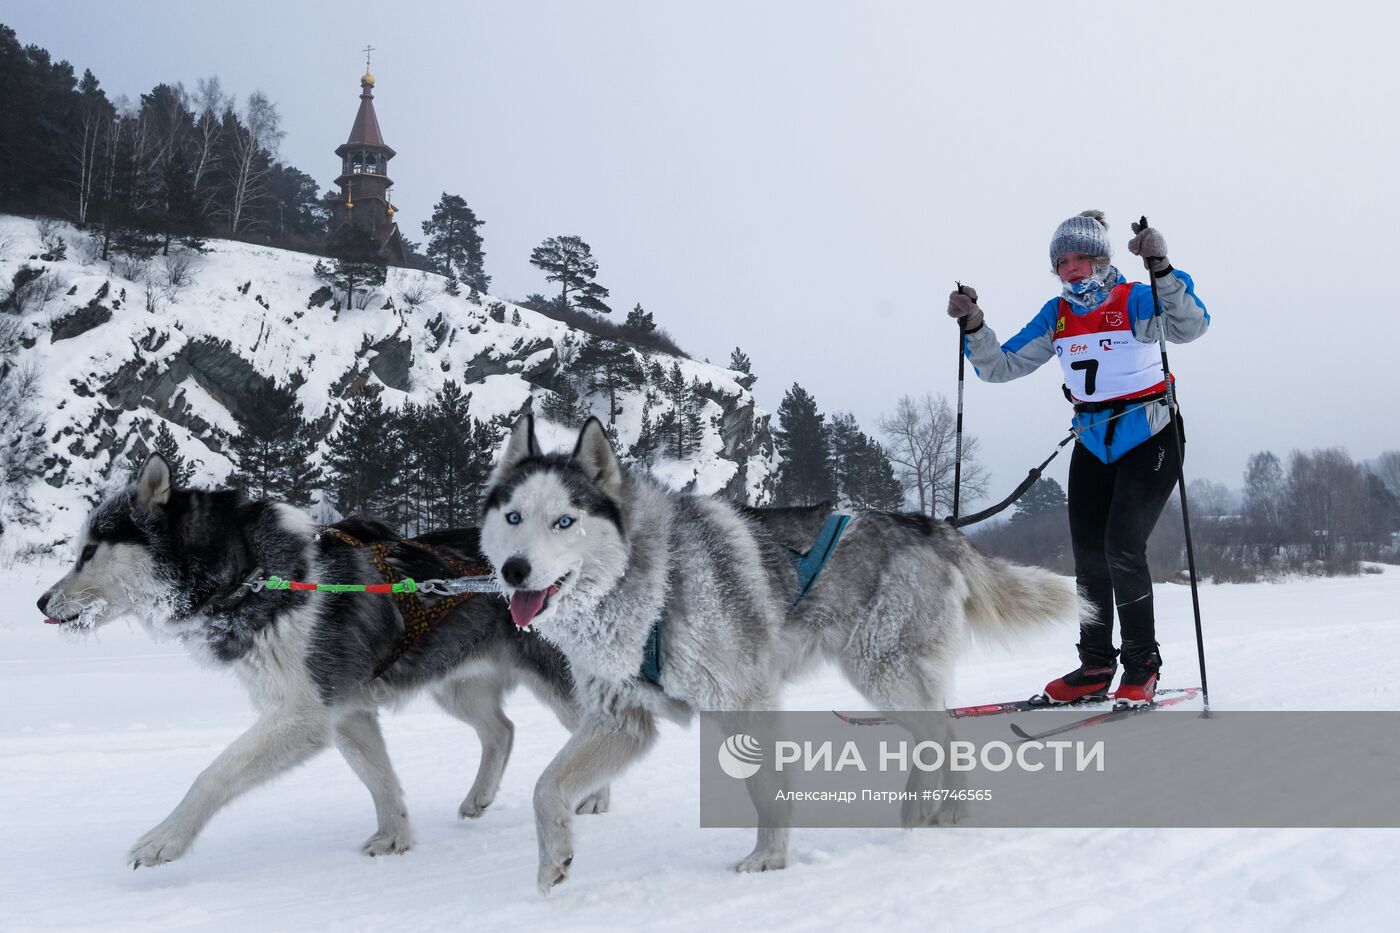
(521, 446)
(594, 454)
(153, 483)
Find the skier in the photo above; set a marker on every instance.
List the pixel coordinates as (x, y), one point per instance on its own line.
(1124, 464)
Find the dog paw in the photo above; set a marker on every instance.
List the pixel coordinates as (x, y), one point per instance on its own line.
(157, 847)
(474, 805)
(554, 872)
(390, 842)
(762, 861)
(596, 802)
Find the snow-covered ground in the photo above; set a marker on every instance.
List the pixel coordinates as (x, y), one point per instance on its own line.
(100, 738)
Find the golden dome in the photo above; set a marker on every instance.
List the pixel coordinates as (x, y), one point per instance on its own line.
(367, 80)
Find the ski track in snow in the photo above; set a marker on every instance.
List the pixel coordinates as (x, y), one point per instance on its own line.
(100, 737)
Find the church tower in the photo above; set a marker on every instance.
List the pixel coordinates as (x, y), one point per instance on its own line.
(363, 203)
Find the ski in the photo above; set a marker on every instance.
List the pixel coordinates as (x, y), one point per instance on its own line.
(1179, 696)
(993, 709)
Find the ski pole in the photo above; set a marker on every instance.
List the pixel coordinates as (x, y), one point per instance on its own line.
(1180, 471)
(957, 445)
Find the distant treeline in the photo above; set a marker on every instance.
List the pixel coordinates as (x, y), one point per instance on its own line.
(173, 164)
(1321, 512)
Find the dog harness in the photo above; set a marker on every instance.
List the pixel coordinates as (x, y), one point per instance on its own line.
(417, 617)
(808, 565)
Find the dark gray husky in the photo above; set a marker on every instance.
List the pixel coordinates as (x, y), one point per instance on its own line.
(176, 559)
(592, 557)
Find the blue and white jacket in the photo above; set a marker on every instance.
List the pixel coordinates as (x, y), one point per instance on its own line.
(1184, 318)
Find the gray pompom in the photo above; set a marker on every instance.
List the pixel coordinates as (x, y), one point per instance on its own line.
(1097, 215)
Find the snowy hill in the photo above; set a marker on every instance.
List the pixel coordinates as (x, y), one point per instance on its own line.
(118, 346)
(101, 737)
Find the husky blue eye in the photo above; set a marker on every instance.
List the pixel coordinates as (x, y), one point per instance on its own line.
(564, 521)
(512, 518)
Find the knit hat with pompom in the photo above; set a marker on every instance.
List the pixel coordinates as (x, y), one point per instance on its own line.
(1085, 233)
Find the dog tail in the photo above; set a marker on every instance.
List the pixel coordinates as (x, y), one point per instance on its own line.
(1005, 599)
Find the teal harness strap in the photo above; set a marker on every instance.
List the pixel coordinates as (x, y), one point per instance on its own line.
(809, 567)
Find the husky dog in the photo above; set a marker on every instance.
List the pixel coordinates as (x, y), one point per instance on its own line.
(593, 557)
(175, 558)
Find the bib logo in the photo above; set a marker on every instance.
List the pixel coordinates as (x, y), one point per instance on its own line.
(1077, 348)
(1106, 343)
(1060, 326)
(1113, 319)
(740, 756)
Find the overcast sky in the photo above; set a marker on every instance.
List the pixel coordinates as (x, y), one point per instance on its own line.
(806, 180)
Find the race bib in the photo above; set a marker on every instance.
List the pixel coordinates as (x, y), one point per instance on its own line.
(1100, 357)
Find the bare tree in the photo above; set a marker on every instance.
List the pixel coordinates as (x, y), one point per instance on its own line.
(32, 290)
(177, 272)
(414, 288)
(1327, 499)
(1264, 490)
(209, 103)
(254, 143)
(94, 122)
(170, 108)
(922, 441)
(1388, 469)
(1211, 499)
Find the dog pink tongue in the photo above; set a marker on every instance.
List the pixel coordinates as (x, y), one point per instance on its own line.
(50, 620)
(525, 605)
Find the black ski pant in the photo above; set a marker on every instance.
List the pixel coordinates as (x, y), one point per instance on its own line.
(1113, 508)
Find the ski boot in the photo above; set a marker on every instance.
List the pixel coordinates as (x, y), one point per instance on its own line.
(1089, 681)
(1139, 683)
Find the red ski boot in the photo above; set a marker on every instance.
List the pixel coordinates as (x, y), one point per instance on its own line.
(1089, 681)
(1137, 688)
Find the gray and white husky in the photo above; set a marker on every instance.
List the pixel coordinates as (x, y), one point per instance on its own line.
(592, 557)
(174, 559)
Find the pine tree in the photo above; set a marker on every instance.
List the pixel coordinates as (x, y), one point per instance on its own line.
(882, 489)
(357, 265)
(1045, 497)
(611, 368)
(566, 403)
(693, 417)
(454, 245)
(863, 475)
(362, 460)
(739, 362)
(643, 452)
(274, 450)
(639, 322)
(448, 457)
(847, 450)
(804, 476)
(674, 424)
(164, 444)
(569, 261)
